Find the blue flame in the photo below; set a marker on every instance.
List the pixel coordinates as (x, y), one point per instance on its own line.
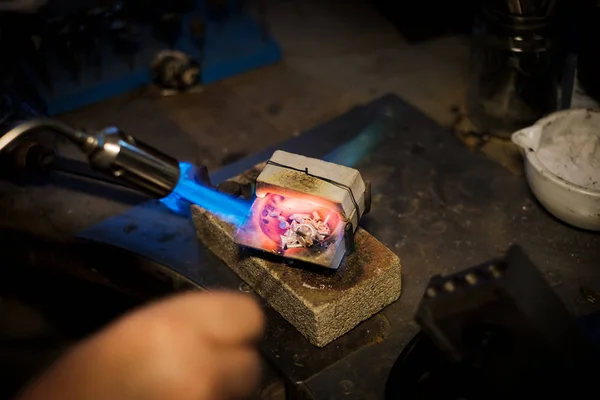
(235, 210)
(188, 191)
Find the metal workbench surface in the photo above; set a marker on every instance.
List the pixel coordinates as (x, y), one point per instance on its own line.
(439, 207)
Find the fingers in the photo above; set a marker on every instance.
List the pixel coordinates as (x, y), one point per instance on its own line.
(223, 318)
(198, 346)
(222, 330)
(216, 333)
(239, 374)
(211, 373)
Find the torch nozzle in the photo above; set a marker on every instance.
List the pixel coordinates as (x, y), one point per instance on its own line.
(114, 153)
(133, 161)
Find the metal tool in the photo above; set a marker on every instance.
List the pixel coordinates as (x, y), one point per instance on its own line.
(492, 332)
(113, 152)
(174, 70)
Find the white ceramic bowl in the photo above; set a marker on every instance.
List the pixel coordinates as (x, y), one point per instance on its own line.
(578, 205)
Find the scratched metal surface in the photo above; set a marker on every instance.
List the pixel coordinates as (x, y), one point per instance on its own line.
(435, 204)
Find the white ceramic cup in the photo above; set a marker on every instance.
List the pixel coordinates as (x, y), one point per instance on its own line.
(577, 205)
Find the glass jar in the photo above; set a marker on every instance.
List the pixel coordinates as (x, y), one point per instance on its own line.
(514, 72)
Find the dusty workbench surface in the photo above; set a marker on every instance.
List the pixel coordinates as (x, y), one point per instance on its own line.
(437, 205)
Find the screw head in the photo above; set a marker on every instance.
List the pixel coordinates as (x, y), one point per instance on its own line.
(244, 287)
(346, 386)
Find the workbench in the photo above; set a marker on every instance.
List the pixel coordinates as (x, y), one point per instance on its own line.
(437, 205)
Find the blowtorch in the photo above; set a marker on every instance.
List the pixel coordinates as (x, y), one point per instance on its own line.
(112, 152)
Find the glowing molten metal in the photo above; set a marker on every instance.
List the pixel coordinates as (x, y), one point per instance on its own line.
(306, 209)
(291, 227)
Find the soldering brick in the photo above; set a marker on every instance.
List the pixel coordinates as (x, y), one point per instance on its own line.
(322, 305)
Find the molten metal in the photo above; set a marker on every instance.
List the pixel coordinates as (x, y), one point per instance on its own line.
(303, 215)
(287, 226)
(303, 230)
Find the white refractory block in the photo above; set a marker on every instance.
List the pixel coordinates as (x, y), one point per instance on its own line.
(286, 173)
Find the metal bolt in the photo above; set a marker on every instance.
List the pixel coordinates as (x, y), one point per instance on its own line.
(496, 272)
(471, 278)
(346, 386)
(449, 286)
(244, 287)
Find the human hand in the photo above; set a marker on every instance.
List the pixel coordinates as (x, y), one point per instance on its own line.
(199, 346)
